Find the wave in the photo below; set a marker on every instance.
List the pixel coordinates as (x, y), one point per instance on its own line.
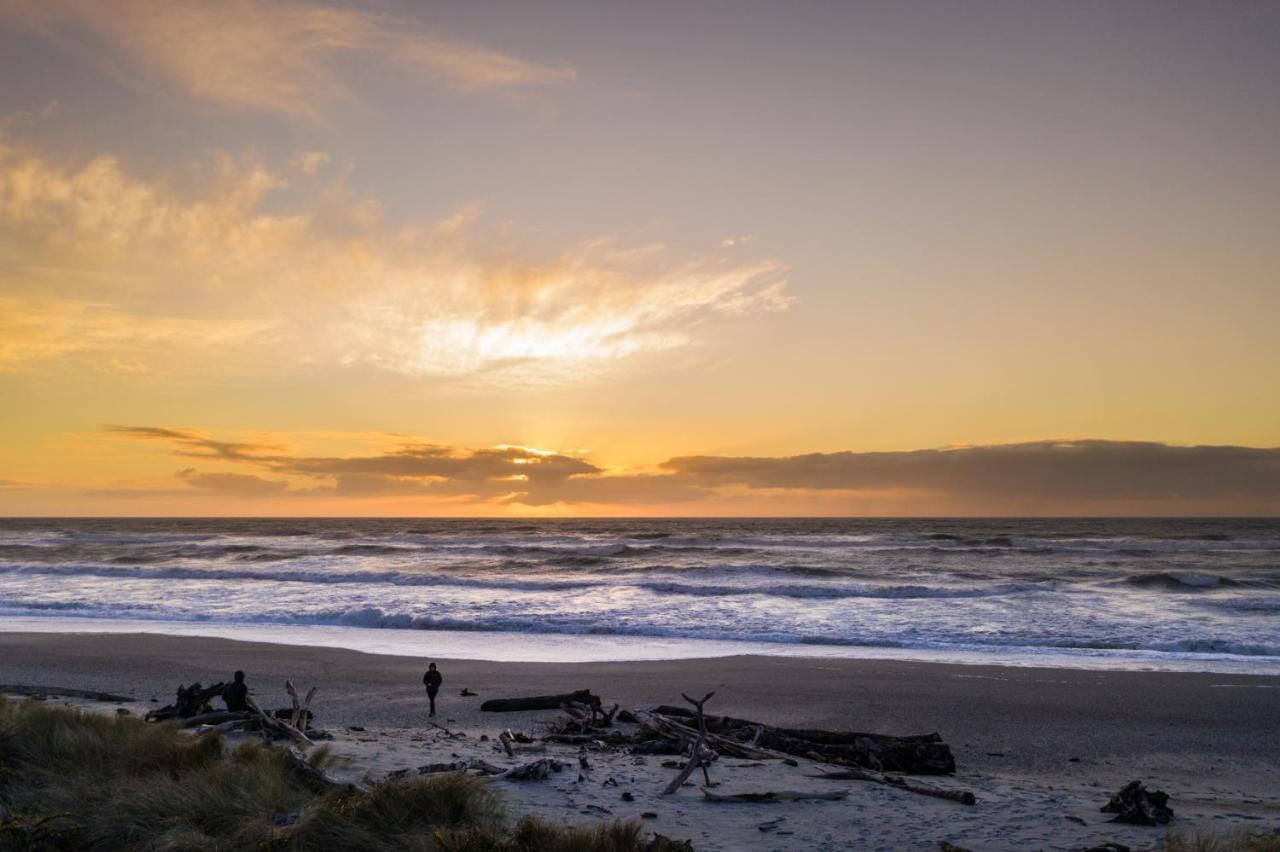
(831, 591)
(391, 578)
(835, 592)
(374, 617)
(1178, 582)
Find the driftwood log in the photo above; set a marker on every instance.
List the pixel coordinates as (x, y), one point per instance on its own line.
(773, 796)
(217, 717)
(964, 797)
(43, 692)
(921, 754)
(535, 771)
(540, 702)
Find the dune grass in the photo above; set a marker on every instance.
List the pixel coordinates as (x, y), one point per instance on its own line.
(72, 780)
(1203, 841)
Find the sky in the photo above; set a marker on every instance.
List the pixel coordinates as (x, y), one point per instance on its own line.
(715, 258)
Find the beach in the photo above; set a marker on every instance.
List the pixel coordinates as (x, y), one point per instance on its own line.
(1042, 748)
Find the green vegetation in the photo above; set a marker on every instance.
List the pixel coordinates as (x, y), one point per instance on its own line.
(1201, 841)
(71, 780)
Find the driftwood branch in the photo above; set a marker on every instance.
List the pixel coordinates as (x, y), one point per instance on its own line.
(773, 796)
(964, 797)
(271, 723)
(311, 775)
(697, 757)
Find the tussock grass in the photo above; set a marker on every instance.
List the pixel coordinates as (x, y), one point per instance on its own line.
(1209, 841)
(71, 780)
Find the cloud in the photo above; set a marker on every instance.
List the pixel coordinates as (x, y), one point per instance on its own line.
(194, 444)
(309, 162)
(232, 484)
(269, 55)
(100, 268)
(1043, 477)
(1092, 469)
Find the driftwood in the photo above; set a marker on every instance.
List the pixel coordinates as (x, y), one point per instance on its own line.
(610, 738)
(217, 717)
(1135, 804)
(922, 754)
(43, 692)
(301, 715)
(432, 769)
(535, 771)
(964, 797)
(192, 700)
(773, 796)
(539, 702)
(698, 756)
(670, 729)
(270, 723)
(315, 778)
(512, 746)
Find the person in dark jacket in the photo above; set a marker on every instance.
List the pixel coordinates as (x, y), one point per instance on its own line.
(432, 680)
(235, 694)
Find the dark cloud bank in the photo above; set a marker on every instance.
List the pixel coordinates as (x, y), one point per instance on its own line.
(1040, 477)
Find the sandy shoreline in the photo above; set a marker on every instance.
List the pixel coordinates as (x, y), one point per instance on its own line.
(1037, 745)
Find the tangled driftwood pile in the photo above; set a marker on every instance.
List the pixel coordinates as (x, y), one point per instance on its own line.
(193, 710)
(1136, 804)
(702, 739)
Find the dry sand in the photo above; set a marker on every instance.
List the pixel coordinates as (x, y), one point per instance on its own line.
(1041, 748)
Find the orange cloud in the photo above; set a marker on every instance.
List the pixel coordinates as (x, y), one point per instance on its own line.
(106, 268)
(1042, 477)
(268, 56)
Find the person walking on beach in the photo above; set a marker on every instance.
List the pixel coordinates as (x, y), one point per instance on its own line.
(432, 680)
(235, 694)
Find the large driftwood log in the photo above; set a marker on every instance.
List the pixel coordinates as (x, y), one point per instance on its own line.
(922, 754)
(964, 797)
(539, 702)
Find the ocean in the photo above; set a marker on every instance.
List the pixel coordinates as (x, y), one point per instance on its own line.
(1193, 595)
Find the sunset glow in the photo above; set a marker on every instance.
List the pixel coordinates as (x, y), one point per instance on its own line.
(294, 258)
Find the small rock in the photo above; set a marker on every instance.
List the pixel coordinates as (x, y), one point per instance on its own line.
(122, 711)
(648, 815)
(628, 796)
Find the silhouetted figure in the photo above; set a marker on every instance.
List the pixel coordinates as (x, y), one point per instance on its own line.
(432, 679)
(235, 694)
